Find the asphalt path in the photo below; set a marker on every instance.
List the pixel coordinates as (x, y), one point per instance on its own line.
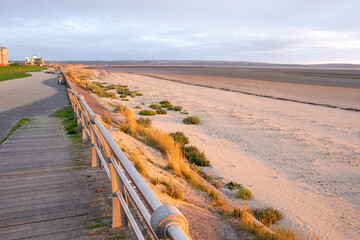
(45, 106)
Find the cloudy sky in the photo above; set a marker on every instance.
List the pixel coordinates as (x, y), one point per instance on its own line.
(275, 31)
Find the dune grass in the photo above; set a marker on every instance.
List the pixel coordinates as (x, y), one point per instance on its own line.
(164, 143)
(244, 193)
(191, 120)
(147, 112)
(267, 215)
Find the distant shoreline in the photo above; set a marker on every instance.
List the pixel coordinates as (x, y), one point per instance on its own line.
(344, 78)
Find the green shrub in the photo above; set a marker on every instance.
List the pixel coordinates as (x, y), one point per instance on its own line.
(267, 215)
(111, 95)
(146, 122)
(123, 96)
(192, 120)
(178, 108)
(139, 94)
(180, 137)
(167, 105)
(138, 107)
(155, 106)
(161, 111)
(185, 112)
(120, 89)
(233, 185)
(244, 193)
(193, 155)
(170, 108)
(112, 86)
(147, 112)
(133, 95)
(165, 102)
(125, 99)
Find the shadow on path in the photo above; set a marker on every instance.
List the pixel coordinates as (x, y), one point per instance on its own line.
(42, 107)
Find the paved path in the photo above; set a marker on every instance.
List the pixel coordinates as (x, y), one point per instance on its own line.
(43, 97)
(43, 193)
(17, 92)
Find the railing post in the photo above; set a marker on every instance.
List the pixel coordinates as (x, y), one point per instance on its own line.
(95, 160)
(83, 131)
(118, 214)
(78, 110)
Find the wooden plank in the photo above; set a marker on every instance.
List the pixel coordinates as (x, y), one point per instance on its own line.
(42, 195)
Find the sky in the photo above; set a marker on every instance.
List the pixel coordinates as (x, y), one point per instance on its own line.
(273, 31)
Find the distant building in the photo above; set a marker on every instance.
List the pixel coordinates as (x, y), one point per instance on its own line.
(35, 61)
(3, 56)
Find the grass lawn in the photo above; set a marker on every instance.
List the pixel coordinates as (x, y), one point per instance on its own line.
(12, 72)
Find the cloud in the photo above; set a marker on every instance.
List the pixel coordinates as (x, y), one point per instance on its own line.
(259, 30)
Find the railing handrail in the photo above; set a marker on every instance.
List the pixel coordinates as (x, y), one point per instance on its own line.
(164, 221)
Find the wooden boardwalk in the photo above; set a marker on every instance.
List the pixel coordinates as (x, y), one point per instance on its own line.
(44, 194)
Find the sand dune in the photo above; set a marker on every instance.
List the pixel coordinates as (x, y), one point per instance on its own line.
(302, 159)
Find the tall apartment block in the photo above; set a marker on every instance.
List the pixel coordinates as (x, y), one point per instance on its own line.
(3, 56)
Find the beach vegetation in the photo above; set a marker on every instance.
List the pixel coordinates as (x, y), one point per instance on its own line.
(191, 120)
(161, 111)
(267, 215)
(193, 155)
(173, 189)
(233, 185)
(244, 193)
(106, 119)
(155, 181)
(178, 108)
(147, 112)
(185, 112)
(111, 86)
(111, 95)
(146, 122)
(155, 106)
(166, 144)
(165, 102)
(139, 164)
(125, 99)
(138, 107)
(180, 137)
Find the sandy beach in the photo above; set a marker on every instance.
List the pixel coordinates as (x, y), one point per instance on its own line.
(300, 158)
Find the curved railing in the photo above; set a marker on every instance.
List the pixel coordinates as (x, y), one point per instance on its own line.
(163, 221)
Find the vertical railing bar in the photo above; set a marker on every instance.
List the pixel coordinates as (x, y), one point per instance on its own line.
(102, 159)
(133, 223)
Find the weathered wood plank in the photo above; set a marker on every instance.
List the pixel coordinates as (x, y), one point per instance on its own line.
(42, 194)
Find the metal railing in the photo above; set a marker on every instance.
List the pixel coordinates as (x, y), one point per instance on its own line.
(163, 221)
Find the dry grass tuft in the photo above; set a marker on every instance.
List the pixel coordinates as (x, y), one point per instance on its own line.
(139, 164)
(173, 189)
